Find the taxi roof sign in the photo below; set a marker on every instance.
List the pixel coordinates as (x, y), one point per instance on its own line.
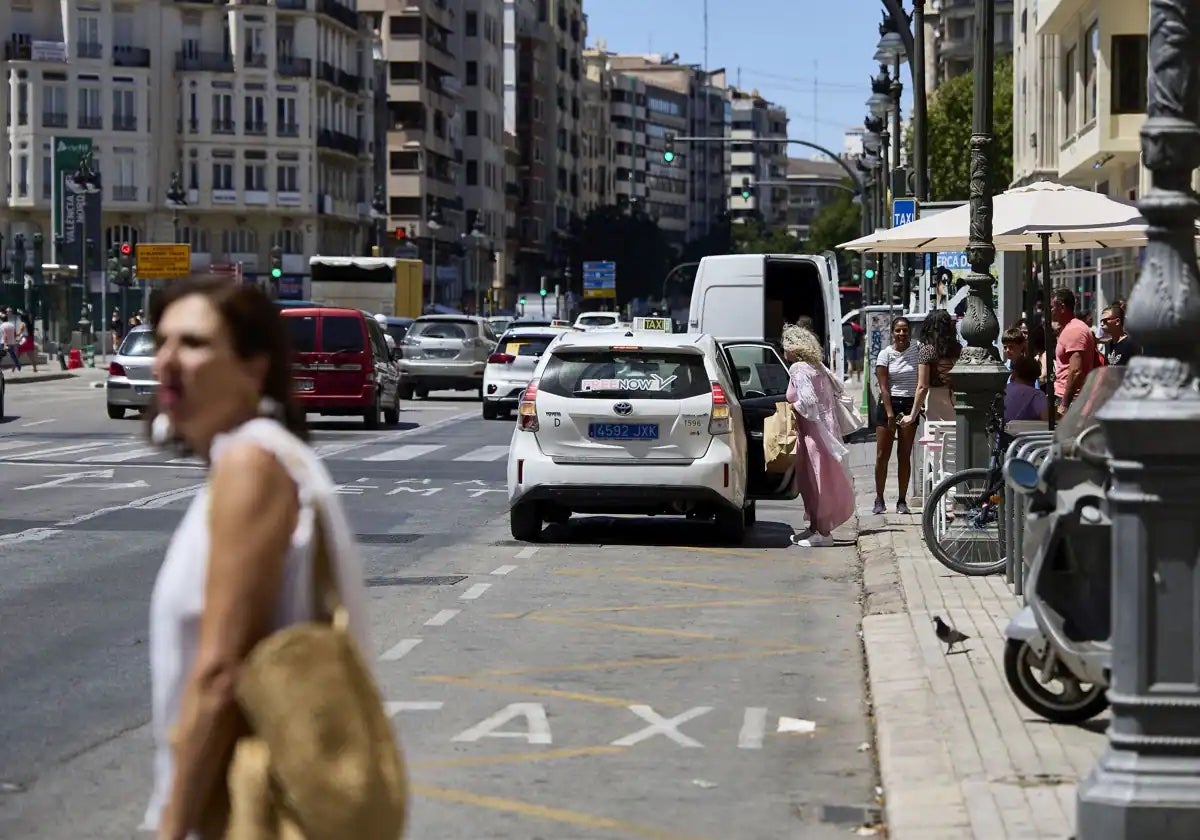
(657, 324)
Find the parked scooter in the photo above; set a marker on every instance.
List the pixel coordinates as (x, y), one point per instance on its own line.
(1058, 655)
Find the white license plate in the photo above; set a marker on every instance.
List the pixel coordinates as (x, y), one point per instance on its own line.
(302, 385)
(143, 390)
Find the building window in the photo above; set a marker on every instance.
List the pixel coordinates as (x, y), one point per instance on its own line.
(193, 175)
(256, 115)
(1091, 56)
(222, 175)
(89, 45)
(1068, 89)
(472, 123)
(124, 185)
(23, 175)
(222, 113)
(472, 173)
(472, 25)
(289, 241)
(256, 176)
(117, 234)
(54, 106)
(287, 178)
(1129, 65)
(472, 73)
(404, 161)
(196, 237)
(239, 241)
(124, 110)
(285, 117)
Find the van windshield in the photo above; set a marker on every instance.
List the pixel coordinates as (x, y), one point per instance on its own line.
(641, 374)
(341, 333)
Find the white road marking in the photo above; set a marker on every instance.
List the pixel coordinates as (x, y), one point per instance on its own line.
(537, 725)
(441, 618)
(668, 727)
(395, 707)
(120, 457)
(754, 725)
(527, 552)
(73, 480)
(503, 570)
(161, 500)
(406, 452)
(474, 591)
(798, 726)
(485, 453)
(62, 450)
(399, 650)
(39, 422)
(7, 445)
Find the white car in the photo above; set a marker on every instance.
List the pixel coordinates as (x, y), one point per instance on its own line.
(645, 423)
(598, 320)
(510, 367)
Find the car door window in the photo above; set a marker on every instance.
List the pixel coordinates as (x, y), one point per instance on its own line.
(758, 369)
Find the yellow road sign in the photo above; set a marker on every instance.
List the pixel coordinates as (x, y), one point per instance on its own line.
(163, 261)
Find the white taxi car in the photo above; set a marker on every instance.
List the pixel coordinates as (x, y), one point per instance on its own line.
(645, 422)
(510, 367)
(598, 320)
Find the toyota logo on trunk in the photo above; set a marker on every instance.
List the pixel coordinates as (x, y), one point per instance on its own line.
(623, 408)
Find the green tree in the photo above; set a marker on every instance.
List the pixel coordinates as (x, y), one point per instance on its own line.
(949, 119)
(835, 223)
(753, 236)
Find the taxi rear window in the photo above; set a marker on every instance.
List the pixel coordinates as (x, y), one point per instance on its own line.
(524, 345)
(640, 374)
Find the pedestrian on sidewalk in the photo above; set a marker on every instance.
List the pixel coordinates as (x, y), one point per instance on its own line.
(25, 342)
(822, 470)
(1023, 400)
(8, 338)
(896, 370)
(1076, 352)
(939, 353)
(1120, 347)
(244, 561)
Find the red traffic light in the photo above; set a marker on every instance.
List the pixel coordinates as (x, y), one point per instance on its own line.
(126, 249)
(401, 233)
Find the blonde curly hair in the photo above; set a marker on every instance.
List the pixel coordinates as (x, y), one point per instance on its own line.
(801, 345)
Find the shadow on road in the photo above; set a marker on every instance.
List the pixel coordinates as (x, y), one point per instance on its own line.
(667, 531)
(353, 424)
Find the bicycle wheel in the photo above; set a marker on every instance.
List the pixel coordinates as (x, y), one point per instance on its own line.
(963, 523)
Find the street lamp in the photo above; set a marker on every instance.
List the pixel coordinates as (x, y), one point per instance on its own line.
(477, 234)
(176, 198)
(979, 376)
(88, 180)
(433, 224)
(1147, 781)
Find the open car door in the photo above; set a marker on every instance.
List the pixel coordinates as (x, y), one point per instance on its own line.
(761, 379)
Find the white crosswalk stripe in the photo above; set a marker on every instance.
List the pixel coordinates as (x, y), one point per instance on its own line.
(121, 457)
(9, 445)
(485, 453)
(404, 453)
(59, 451)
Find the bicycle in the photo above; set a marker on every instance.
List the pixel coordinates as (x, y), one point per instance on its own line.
(963, 519)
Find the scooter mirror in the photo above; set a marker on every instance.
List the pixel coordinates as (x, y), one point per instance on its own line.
(1021, 475)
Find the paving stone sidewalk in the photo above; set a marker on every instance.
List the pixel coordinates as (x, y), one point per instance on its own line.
(959, 756)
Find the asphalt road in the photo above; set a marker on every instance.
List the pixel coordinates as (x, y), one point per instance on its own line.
(623, 678)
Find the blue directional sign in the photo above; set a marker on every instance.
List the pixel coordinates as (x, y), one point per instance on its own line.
(600, 279)
(904, 210)
(953, 260)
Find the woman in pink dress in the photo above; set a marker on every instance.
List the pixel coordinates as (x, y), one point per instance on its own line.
(822, 469)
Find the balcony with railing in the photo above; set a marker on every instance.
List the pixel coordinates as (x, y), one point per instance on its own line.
(291, 5)
(349, 82)
(91, 121)
(54, 119)
(338, 142)
(124, 122)
(293, 67)
(222, 126)
(89, 49)
(253, 59)
(287, 130)
(326, 72)
(30, 49)
(342, 14)
(127, 56)
(124, 192)
(258, 129)
(211, 62)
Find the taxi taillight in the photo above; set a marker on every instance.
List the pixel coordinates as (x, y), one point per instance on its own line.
(527, 420)
(501, 359)
(718, 423)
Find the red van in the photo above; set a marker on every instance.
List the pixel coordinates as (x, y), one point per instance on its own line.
(342, 365)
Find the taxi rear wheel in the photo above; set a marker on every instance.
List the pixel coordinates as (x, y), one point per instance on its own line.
(525, 522)
(731, 525)
(750, 514)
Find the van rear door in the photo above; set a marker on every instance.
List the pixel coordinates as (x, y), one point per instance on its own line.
(302, 329)
(343, 355)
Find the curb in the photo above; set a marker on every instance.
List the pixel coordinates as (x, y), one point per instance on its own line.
(922, 799)
(39, 377)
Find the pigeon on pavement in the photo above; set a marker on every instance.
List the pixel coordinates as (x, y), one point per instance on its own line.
(947, 634)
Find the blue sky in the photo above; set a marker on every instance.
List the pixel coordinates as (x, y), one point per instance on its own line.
(781, 46)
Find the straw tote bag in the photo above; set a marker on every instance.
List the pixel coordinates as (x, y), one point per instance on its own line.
(321, 762)
(780, 439)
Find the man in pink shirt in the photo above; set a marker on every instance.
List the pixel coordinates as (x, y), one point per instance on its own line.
(1075, 352)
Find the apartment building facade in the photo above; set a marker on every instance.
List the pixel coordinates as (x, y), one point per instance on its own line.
(811, 185)
(1079, 102)
(264, 110)
(950, 38)
(753, 118)
(597, 181)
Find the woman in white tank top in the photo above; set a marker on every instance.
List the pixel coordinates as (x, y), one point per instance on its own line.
(239, 565)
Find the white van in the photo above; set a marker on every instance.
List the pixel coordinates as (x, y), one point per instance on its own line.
(751, 297)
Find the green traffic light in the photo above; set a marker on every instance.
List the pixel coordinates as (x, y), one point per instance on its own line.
(869, 274)
(521, 301)
(668, 156)
(542, 292)
(276, 273)
(745, 195)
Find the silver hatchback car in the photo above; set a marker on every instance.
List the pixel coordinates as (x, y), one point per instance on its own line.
(445, 352)
(131, 382)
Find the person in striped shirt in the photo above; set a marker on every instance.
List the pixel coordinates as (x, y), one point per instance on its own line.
(896, 369)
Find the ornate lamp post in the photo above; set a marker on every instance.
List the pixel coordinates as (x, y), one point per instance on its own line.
(434, 224)
(176, 198)
(979, 375)
(87, 179)
(1147, 782)
(379, 209)
(880, 104)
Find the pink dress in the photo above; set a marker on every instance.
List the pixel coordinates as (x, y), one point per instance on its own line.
(822, 468)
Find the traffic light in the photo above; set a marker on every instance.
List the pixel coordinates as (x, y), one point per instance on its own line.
(869, 274)
(38, 257)
(669, 152)
(542, 292)
(522, 300)
(745, 189)
(276, 262)
(401, 234)
(114, 264)
(125, 260)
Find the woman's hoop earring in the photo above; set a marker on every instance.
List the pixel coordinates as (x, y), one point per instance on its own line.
(269, 407)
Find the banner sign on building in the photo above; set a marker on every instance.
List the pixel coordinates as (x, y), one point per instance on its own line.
(76, 209)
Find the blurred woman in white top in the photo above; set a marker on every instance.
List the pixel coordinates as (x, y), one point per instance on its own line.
(239, 564)
(896, 369)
